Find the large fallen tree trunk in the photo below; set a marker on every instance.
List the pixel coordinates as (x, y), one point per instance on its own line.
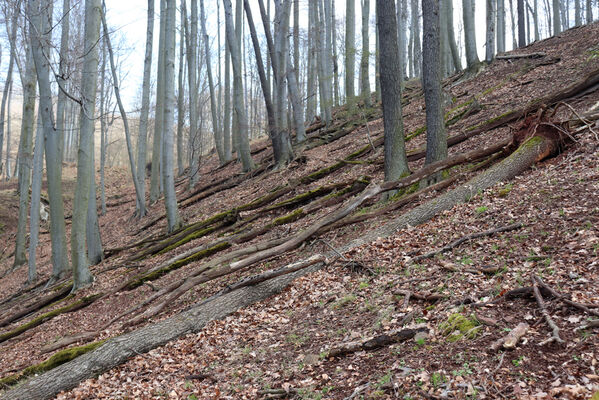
(118, 350)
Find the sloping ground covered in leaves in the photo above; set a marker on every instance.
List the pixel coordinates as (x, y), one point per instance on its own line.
(282, 344)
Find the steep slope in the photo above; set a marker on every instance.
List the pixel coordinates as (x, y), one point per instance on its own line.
(337, 305)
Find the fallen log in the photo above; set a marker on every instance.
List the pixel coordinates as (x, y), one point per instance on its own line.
(555, 337)
(521, 55)
(396, 336)
(510, 341)
(118, 350)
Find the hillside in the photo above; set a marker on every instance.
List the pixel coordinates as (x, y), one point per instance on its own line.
(435, 318)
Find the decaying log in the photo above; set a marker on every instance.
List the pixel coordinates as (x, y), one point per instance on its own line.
(510, 341)
(522, 55)
(396, 336)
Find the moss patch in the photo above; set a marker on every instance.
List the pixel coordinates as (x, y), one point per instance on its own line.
(57, 359)
(458, 326)
(153, 275)
(49, 315)
(291, 217)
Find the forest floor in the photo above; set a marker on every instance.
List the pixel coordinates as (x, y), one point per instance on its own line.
(280, 347)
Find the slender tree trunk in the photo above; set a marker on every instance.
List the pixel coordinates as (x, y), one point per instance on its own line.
(557, 26)
(95, 254)
(103, 129)
(294, 96)
(192, 81)
(81, 273)
(500, 26)
(170, 199)
(436, 136)
(589, 12)
(8, 80)
(535, 18)
(402, 27)
(513, 23)
(396, 162)
(521, 24)
(244, 148)
(335, 59)
(311, 67)
(36, 179)
(377, 61)
(227, 106)
(365, 59)
(490, 43)
(469, 34)
(453, 47)
(8, 132)
(350, 50)
(145, 108)
(184, 41)
(417, 57)
(117, 94)
(324, 80)
(25, 155)
(156, 172)
(215, 126)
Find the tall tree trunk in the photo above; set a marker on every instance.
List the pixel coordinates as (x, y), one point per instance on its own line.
(117, 94)
(95, 254)
(324, 81)
(577, 13)
(170, 199)
(365, 59)
(81, 273)
(521, 24)
(8, 132)
(36, 178)
(296, 103)
(417, 56)
(311, 73)
(25, 156)
(396, 162)
(335, 59)
(402, 27)
(8, 80)
(350, 50)
(469, 34)
(436, 137)
(215, 125)
(192, 41)
(490, 43)
(145, 108)
(103, 129)
(377, 57)
(535, 18)
(453, 47)
(184, 41)
(513, 24)
(156, 173)
(557, 26)
(233, 45)
(500, 26)
(589, 11)
(227, 112)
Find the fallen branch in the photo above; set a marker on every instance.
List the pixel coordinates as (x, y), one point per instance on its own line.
(556, 294)
(469, 237)
(554, 328)
(396, 336)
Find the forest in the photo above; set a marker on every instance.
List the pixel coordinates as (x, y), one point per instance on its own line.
(299, 199)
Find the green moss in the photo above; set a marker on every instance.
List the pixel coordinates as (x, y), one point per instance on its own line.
(189, 238)
(151, 276)
(301, 198)
(489, 121)
(291, 217)
(417, 132)
(49, 315)
(504, 191)
(458, 326)
(57, 359)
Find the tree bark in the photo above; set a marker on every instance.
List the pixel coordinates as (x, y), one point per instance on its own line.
(156, 173)
(436, 136)
(233, 45)
(500, 26)
(145, 108)
(170, 199)
(521, 24)
(490, 42)
(81, 273)
(350, 50)
(396, 163)
(469, 34)
(557, 26)
(365, 59)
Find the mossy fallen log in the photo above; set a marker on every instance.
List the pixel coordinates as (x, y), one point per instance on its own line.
(54, 361)
(77, 305)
